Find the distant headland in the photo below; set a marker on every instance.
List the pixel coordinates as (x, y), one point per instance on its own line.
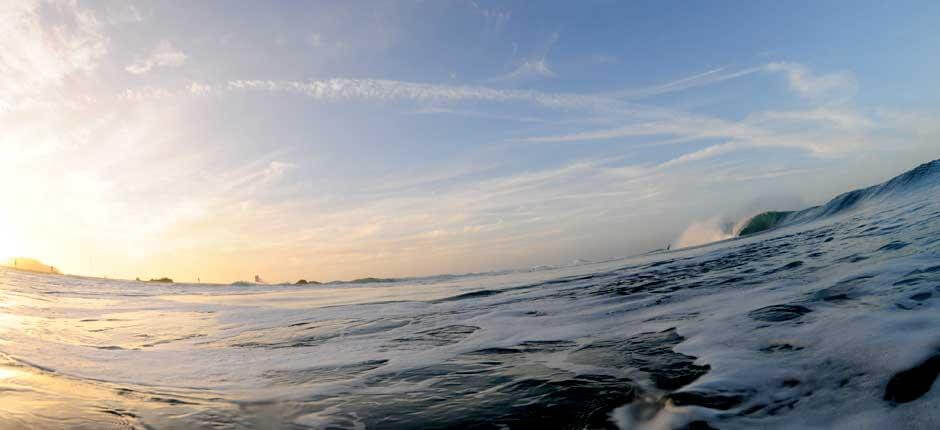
(31, 265)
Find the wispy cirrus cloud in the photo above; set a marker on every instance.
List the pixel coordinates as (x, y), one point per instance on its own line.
(806, 83)
(702, 154)
(818, 131)
(800, 78)
(843, 118)
(35, 55)
(535, 68)
(436, 110)
(384, 90)
(710, 77)
(163, 55)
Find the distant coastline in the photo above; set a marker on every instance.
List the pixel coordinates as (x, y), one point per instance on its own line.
(31, 265)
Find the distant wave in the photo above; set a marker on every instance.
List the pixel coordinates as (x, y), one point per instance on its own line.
(923, 176)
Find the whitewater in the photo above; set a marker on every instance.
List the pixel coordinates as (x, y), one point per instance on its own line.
(830, 318)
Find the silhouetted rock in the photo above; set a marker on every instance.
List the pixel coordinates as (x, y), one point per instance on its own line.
(162, 280)
(306, 282)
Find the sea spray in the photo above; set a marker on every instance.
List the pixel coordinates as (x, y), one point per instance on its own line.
(710, 230)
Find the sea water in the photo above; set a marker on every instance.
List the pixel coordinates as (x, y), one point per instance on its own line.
(829, 321)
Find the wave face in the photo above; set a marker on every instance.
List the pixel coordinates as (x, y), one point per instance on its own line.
(926, 175)
(833, 323)
(764, 221)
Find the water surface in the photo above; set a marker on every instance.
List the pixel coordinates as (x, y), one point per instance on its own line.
(831, 322)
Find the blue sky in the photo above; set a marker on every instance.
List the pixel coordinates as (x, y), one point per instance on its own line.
(337, 139)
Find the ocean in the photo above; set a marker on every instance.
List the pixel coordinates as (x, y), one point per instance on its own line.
(828, 318)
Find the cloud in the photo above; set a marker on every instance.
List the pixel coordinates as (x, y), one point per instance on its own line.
(343, 89)
(255, 175)
(145, 94)
(808, 84)
(477, 114)
(529, 69)
(41, 44)
(668, 124)
(799, 78)
(838, 118)
(276, 169)
(820, 130)
(817, 131)
(534, 67)
(702, 79)
(708, 152)
(199, 88)
(163, 55)
(690, 127)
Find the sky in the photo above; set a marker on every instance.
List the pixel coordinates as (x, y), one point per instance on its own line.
(325, 140)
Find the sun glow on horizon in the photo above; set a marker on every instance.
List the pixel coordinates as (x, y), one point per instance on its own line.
(10, 242)
(229, 145)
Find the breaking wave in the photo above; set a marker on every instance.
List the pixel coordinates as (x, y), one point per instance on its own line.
(925, 175)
